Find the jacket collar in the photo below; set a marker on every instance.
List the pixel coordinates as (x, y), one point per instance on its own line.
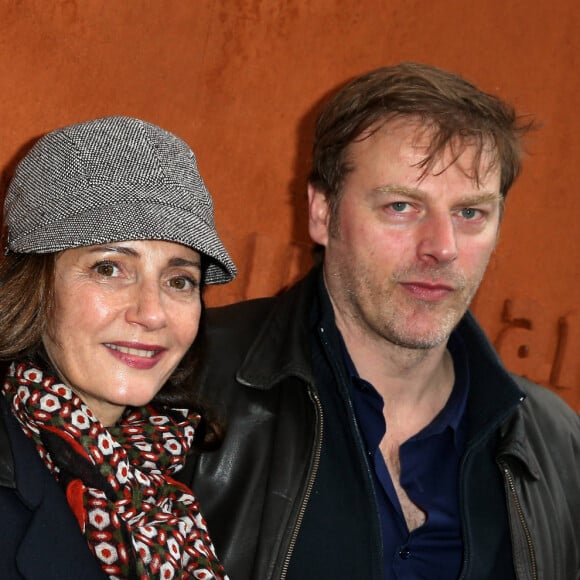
(493, 394)
(282, 347)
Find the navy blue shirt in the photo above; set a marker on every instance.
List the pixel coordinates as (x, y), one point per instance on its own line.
(429, 474)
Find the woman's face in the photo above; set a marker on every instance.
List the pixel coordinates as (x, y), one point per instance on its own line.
(125, 314)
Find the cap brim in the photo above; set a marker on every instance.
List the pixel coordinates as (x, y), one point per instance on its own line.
(131, 221)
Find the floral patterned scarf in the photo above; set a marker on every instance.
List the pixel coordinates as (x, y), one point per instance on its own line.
(138, 521)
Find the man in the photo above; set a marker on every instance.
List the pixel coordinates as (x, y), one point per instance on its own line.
(372, 431)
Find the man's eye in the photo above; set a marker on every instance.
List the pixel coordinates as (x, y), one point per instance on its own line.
(470, 213)
(400, 206)
(105, 269)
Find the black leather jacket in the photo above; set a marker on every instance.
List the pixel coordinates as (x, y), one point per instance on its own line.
(254, 490)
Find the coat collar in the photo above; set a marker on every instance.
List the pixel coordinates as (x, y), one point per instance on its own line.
(493, 394)
(282, 347)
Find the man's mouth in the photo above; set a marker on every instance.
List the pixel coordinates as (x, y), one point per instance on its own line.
(428, 291)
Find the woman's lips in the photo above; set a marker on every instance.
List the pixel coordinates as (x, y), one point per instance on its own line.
(136, 355)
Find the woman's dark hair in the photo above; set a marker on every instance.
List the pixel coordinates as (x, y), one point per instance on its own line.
(26, 301)
(26, 308)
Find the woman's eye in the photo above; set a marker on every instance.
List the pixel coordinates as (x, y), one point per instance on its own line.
(183, 283)
(105, 269)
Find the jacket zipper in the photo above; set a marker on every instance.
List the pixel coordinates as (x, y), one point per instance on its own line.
(364, 459)
(342, 380)
(309, 486)
(516, 502)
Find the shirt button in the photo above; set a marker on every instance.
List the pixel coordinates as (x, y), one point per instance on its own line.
(405, 554)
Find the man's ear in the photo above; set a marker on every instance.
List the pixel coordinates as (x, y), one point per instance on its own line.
(318, 215)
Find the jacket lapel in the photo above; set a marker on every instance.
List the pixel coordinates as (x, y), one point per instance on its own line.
(53, 545)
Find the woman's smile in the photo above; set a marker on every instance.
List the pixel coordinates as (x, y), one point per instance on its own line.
(138, 356)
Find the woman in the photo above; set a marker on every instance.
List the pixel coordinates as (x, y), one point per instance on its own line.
(110, 240)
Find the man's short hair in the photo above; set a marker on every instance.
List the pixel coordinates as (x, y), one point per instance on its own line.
(455, 111)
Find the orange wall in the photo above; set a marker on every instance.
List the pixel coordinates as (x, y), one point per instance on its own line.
(241, 81)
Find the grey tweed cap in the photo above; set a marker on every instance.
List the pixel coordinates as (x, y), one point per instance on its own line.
(112, 179)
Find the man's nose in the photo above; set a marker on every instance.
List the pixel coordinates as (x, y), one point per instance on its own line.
(437, 239)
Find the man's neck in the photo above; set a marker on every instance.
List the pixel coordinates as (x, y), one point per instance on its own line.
(414, 383)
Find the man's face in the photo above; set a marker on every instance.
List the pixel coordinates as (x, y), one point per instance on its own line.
(405, 253)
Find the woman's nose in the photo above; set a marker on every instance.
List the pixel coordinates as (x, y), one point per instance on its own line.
(147, 307)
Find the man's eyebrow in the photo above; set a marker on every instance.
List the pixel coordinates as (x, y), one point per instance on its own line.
(481, 197)
(475, 198)
(412, 192)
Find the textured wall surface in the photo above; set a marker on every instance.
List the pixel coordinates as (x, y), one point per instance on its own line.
(242, 80)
